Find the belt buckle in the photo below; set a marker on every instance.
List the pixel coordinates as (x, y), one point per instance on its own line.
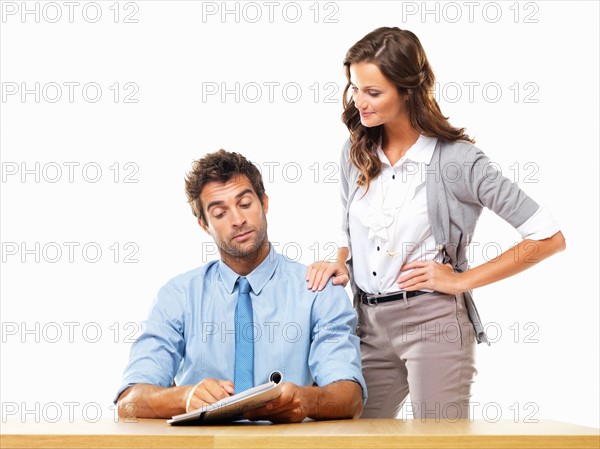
(371, 301)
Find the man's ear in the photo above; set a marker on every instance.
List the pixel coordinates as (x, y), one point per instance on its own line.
(203, 226)
(265, 203)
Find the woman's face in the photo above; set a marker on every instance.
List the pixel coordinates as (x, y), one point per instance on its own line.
(377, 99)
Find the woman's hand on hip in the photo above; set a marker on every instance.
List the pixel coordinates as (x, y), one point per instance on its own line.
(318, 273)
(430, 275)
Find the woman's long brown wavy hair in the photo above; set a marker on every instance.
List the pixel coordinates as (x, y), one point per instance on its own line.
(402, 60)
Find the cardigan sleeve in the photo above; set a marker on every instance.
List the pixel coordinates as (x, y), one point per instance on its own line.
(486, 186)
(343, 239)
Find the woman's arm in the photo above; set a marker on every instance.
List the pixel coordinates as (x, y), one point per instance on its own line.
(483, 184)
(442, 278)
(318, 273)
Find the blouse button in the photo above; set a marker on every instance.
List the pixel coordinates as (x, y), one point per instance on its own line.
(374, 273)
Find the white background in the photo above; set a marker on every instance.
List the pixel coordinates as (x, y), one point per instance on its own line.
(544, 362)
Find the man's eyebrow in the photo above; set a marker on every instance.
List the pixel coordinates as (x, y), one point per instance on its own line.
(220, 202)
(244, 192)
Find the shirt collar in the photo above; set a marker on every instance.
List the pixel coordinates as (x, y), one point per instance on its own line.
(421, 151)
(257, 278)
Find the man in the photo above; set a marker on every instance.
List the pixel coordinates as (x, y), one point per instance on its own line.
(195, 348)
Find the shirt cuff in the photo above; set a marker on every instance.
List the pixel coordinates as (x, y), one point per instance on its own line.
(342, 240)
(354, 377)
(539, 226)
(121, 390)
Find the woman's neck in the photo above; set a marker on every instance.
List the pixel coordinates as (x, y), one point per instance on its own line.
(397, 139)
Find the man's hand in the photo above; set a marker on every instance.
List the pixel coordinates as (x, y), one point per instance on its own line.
(338, 400)
(207, 392)
(152, 401)
(287, 408)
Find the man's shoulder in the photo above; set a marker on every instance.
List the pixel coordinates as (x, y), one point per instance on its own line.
(292, 266)
(191, 276)
(295, 270)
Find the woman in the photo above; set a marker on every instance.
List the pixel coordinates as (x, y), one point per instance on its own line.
(413, 188)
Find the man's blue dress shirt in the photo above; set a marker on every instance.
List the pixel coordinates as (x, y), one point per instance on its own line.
(190, 334)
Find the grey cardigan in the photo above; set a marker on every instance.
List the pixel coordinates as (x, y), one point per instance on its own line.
(459, 182)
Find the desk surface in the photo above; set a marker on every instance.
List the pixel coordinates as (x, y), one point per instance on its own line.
(383, 433)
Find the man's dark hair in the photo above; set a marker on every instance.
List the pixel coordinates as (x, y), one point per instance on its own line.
(219, 166)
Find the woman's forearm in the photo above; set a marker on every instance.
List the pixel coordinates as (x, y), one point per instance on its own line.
(516, 259)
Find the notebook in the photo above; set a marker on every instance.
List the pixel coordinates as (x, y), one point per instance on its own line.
(233, 407)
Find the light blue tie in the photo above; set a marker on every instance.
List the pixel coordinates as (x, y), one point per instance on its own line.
(244, 339)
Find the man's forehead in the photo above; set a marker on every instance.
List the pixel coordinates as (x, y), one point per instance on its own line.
(217, 190)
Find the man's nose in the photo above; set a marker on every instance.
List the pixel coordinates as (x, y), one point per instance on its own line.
(237, 217)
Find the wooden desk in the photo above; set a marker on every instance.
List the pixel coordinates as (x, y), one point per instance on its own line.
(148, 433)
